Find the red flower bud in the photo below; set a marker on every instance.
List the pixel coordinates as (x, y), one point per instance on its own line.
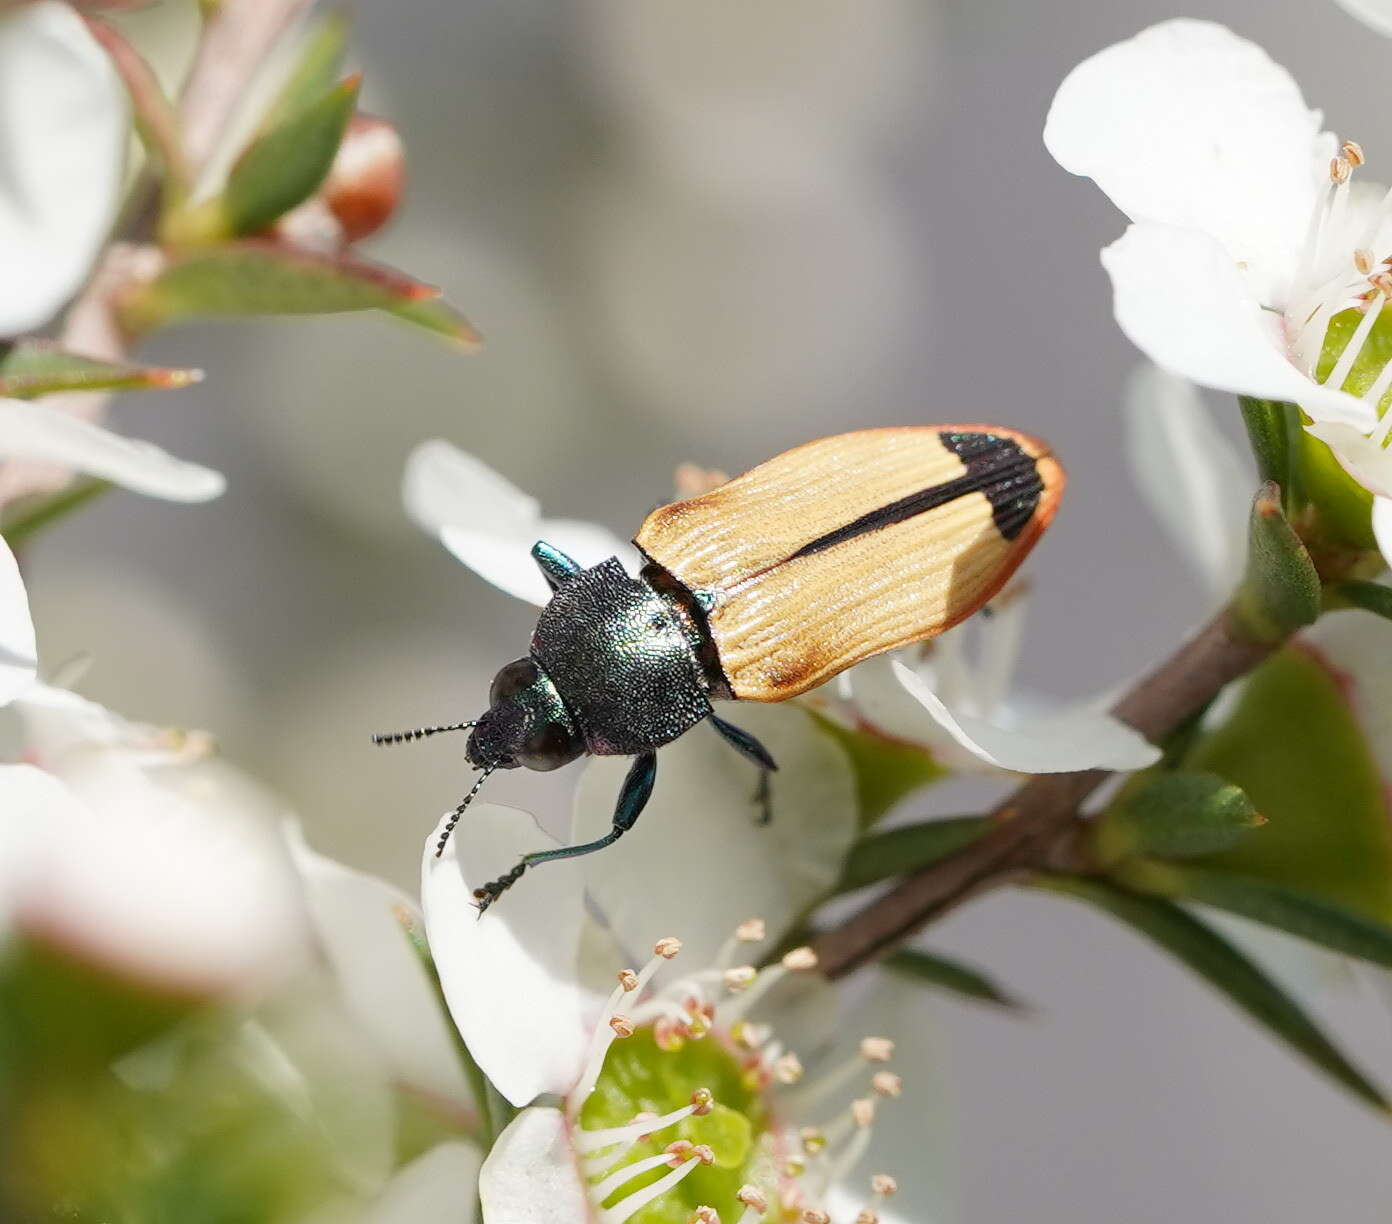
(364, 185)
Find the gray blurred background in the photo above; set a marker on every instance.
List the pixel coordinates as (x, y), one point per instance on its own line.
(706, 231)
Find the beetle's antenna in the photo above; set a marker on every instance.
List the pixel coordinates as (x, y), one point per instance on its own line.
(459, 811)
(401, 737)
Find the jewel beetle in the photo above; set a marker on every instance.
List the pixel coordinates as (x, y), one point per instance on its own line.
(759, 590)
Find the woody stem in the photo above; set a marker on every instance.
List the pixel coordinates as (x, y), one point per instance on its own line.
(1032, 823)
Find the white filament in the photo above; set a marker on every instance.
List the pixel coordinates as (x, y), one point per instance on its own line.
(639, 1199)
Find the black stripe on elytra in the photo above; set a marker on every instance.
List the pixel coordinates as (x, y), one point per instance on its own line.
(995, 466)
(1008, 476)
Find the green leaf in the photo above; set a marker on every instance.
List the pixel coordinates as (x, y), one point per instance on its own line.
(934, 970)
(1270, 424)
(285, 165)
(30, 368)
(1280, 592)
(1293, 745)
(256, 277)
(886, 771)
(1370, 596)
(1225, 968)
(901, 851)
(316, 71)
(1300, 913)
(1175, 815)
(20, 521)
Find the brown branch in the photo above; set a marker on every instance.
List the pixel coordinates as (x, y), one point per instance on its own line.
(1033, 820)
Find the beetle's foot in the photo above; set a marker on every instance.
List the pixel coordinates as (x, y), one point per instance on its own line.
(763, 796)
(488, 893)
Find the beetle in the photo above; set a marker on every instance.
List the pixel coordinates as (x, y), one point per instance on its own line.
(758, 590)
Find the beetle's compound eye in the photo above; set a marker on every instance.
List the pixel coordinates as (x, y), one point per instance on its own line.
(516, 676)
(549, 747)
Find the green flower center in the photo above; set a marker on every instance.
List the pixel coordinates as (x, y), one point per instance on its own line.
(640, 1077)
(1370, 359)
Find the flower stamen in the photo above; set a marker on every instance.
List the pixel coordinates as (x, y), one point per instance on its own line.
(754, 1202)
(609, 1028)
(635, 1202)
(799, 960)
(592, 1141)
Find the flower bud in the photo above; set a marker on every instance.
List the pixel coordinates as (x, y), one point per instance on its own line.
(364, 184)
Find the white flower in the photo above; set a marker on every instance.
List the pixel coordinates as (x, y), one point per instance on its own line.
(962, 710)
(41, 436)
(491, 525)
(1253, 255)
(1376, 14)
(18, 651)
(64, 126)
(364, 928)
(682, 1071)
(133, 849)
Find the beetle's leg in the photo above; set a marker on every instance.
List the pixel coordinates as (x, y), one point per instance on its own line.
(555, 566)
(633, 797)
(746, 745)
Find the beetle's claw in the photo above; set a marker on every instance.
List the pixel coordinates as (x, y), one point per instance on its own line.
(486, 894)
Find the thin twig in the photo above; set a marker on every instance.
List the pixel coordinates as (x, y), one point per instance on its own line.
(1040, 813)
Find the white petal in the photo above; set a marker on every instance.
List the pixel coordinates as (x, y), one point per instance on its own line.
(329, 1071)
(503, 560)
(1382, 526)
(1182, 301)
(887, 707)
(1063, 741)
(1376, 14)
(444, 486)
(31, 802)
(362, 924)
(440, 1187)
(18, 652)
(63, 132)
(698, 861)
(1189, 125)
(530, 1175)
(1366, 461)
(142, 879)
(509, 975)
(490, 524)
(31, 430)
(1192, 477)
